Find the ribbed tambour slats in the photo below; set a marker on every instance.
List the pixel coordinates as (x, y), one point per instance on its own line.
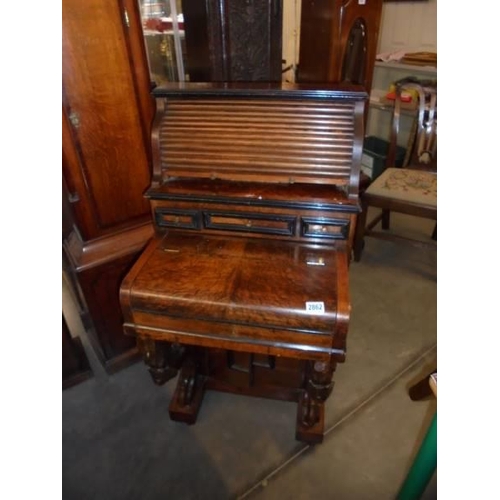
(263, 140)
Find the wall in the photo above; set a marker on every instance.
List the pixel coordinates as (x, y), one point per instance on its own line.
(291, 37)
(408, 26)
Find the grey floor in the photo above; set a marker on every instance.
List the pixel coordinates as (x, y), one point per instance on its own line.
(118, 442)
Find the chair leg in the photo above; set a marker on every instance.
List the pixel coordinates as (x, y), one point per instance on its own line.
(435, 233)
(359, 233)
(386, 219)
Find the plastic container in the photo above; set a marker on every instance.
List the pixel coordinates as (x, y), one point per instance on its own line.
(373, 161)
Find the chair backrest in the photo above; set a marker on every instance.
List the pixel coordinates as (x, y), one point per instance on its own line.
(422, 146)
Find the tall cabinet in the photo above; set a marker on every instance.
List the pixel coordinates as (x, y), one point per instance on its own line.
(338, 40)
(106, 116)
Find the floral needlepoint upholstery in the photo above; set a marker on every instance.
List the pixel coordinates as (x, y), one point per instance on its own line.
(404, 184)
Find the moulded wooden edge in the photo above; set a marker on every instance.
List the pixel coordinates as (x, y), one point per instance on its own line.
(87, 254)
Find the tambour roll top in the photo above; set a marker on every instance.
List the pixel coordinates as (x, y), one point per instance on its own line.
(272, 133)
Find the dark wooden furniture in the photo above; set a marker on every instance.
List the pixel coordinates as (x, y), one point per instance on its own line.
(411, 190)
(338, 41)
(233, 41)
(244, 288)
(106, 115)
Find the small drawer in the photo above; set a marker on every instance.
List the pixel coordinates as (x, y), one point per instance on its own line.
(333, 229)
(251, 223)
(171, 217)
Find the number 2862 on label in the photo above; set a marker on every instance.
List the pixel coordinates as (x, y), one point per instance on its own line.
(315, 307)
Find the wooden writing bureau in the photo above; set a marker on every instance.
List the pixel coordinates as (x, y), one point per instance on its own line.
(244, 287)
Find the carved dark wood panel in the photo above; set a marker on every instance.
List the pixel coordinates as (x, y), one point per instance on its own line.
(233, 40)
(249, 24)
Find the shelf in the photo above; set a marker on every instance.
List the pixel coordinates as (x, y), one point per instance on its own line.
(166, 32)
(389, 107)
(430, 70)
(375, 102)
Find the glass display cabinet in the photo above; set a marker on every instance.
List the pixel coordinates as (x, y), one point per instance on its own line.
(164, 37)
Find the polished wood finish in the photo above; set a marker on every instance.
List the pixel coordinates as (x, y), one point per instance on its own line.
(326, 41)
(276, 133)
(233, 41)
(285, 211)
(286, 142)
(100, 285)
(240, 272)
(110, 161)
(245, 239)
(97, 268)
(87, 254)
(107, 112)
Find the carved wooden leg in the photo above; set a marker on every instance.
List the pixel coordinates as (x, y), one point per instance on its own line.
(188, 394)
(162, 358)
(310, 412)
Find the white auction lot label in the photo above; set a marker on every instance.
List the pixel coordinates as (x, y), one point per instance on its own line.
(315, 307)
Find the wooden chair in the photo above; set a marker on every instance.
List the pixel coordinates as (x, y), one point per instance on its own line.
(411, 189)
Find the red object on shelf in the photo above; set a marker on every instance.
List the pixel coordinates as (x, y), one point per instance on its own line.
(157, 24)
(404, 97)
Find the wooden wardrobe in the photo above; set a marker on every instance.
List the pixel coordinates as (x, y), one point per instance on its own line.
(106, 117)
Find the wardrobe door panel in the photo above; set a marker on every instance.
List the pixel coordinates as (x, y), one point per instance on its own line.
(101, 103)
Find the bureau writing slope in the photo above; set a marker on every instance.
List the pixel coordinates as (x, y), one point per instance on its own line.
(244, 287)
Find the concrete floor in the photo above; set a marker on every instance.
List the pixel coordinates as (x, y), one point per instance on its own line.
(118, 441)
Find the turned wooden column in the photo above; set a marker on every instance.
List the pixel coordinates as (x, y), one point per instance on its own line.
(162, 358)
(318, 386)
